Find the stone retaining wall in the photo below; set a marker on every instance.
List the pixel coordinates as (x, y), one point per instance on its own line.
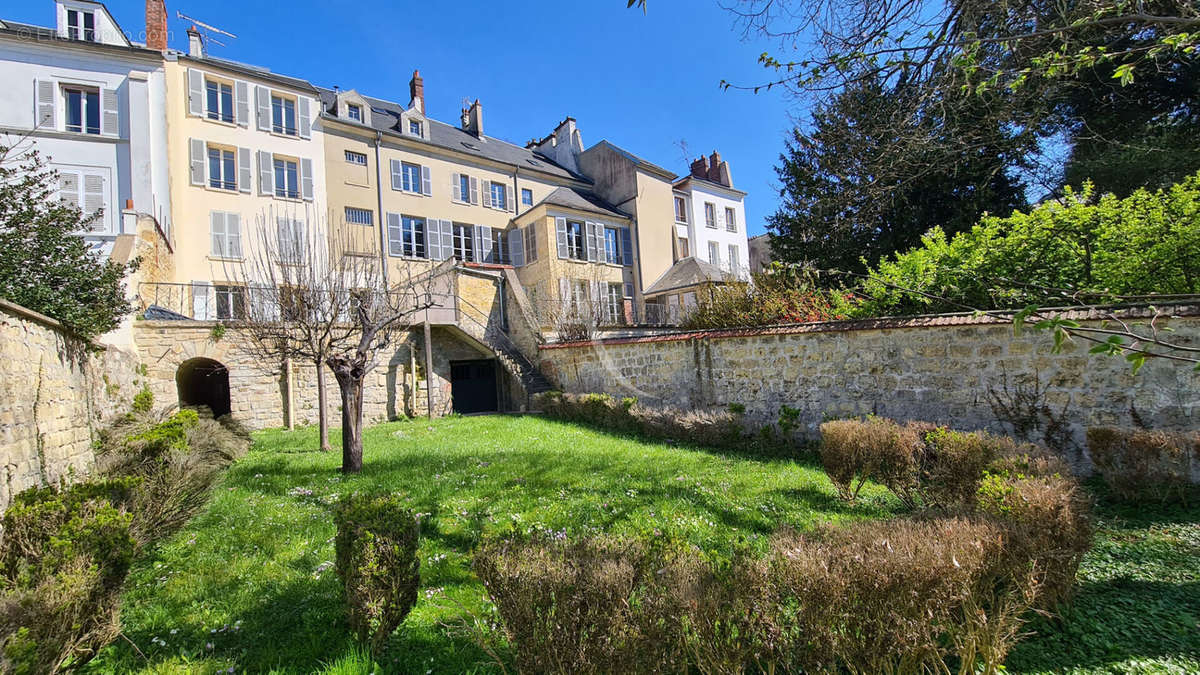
(949, 369)
(56, 390)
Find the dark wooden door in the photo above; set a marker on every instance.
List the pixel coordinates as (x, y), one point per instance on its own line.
(473, 386)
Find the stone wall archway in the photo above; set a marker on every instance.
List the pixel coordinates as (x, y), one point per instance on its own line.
(202, 381)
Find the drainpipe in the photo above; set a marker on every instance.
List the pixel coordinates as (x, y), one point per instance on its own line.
(383, 252)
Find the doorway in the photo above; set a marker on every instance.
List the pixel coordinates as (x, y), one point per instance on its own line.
(473, 386)
(204, 382)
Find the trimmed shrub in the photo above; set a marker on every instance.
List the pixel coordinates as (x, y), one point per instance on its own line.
(854, 451)
(1138, 464)
(700, 427)
(177, 459)
(64, 556)
(376, 559)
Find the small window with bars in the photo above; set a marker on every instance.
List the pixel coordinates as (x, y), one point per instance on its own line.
(356, 216)
(356, 158)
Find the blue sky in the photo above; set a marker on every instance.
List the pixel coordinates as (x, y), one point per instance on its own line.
(644, 82)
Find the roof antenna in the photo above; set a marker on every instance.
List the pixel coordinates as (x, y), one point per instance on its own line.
(207, 28)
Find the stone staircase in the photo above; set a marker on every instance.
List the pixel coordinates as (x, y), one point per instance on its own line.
(509, 355)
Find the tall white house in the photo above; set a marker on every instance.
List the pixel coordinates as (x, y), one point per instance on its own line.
(710, 218)
(93, 103)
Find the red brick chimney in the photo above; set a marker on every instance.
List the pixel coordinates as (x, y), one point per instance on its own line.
(700, 168)
(156, 25)
(416, 89)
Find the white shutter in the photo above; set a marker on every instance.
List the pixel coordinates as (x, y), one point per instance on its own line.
(305, 118)
(266, 173)
(397, 175)
(474, 190)
(560, 228)
(243, 155)
(110, 117)
(262, 99)
(217, 225)
(306, 179)
(433, 241)
(516, 248)
(531, 252)
(487, 193)
(195, 89)
(201, 310)
(564, 293)
(68, 188)
(242, 103)
(395, 235)
(93, 201)
(485, 244)
(233, 235)
(590, 240)
(45, 104)
(512, 200)
(196, 156)
(447, 236)
(456, 188)
(264, 303)
(426, 182)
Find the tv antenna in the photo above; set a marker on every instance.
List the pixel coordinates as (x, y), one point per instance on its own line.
(207, 27)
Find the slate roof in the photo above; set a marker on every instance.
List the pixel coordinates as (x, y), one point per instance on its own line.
(385, 116)
(252, 71)
(583, 201)
(686, 273)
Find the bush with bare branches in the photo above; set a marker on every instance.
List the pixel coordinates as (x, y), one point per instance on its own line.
(1139, 464)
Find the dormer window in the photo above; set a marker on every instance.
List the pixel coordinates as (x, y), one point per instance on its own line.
(283, 115)
(354, 112)
(414, 128)
(81, 25)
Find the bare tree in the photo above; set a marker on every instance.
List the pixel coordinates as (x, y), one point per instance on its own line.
(308, 297)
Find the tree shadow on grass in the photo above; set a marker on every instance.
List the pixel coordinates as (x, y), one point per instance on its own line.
(1111, 622)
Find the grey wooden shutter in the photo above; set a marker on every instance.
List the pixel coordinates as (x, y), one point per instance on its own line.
(262, 100)
(590, 241)
(93, 200)
(395, 235)
(626, 247)
(68, 187)
(217, 227)
(110, 118)
(484, 244)
(233, 235)
(487, 193)
(560, 228)
(426, 182)
(305, 118)
(201, 310)
(306, 179)
(474, 190)
(512, 201)
(397, 175)
(516, 248)
(195, 89)
(266, 173)
(196, 157)
(456, 187)
(244, 170)
(447, 236)
(531, 252)
(242, 99)
(433, 240)
(45, 104)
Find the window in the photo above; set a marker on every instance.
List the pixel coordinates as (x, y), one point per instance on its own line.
(222, 169)
(464, 247)
(283, 115)
(287, 184)
(81, 25)
(291, 240)
(411, 175)
(231, 302)
(710, 215)
(500, 247)
(356, 158)
(527, 196)
(680, 210)
(414, 128)
(499, 196)
(359, 216)
(612, 245)
(354, 112)
(529, 240)
(464, 188)
(219, 100)
(578, 302)
(226, 235)
(575, 244)
(730, 219)
(683, 248)
(83, 109)
(714, 253)
(406, 236)
(614, 303)
(733, 258)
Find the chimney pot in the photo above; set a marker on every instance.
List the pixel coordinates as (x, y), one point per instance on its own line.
(700, 168)
(156, 25)
(472, 119)
(195, 43)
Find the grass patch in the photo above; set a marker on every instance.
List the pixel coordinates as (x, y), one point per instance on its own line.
(249, 584)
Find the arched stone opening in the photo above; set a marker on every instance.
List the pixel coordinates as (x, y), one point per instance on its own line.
(204, 382)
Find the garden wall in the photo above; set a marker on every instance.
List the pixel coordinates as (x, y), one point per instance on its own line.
(960, 370)
(56, 390)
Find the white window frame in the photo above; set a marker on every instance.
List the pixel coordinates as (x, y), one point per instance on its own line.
(228, 158)
(415, 179)
(714, 253)
(710, 215)
(354, 112)
(577, 243)
(526, 192)
(280, 126)
(502, 204)
(79, 30)
(233, 297)
(220, 114)
(734, 258)
(420, 128)
(614, 302)
(681, 215)
(290, 168)
(85, 91)
(730, 219)
(463, 237)
(294, 243)
(403, 241)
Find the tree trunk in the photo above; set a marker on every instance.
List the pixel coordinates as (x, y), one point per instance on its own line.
(322, 407)
(350, 381)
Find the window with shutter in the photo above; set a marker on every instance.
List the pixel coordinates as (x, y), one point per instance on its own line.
(530, 243)
(612, 246)
(626, 247)
(560, 231)
(266, 173)
(94, 202)
(426, 182)
(110, 105)
(464, 242)
(217, 225)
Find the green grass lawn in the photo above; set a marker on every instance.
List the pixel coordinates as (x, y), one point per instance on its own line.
(249, 584)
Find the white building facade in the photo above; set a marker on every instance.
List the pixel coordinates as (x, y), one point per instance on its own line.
(710, 218)
(93, 104)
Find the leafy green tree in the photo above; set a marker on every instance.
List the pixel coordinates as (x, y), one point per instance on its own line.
(44, 264)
